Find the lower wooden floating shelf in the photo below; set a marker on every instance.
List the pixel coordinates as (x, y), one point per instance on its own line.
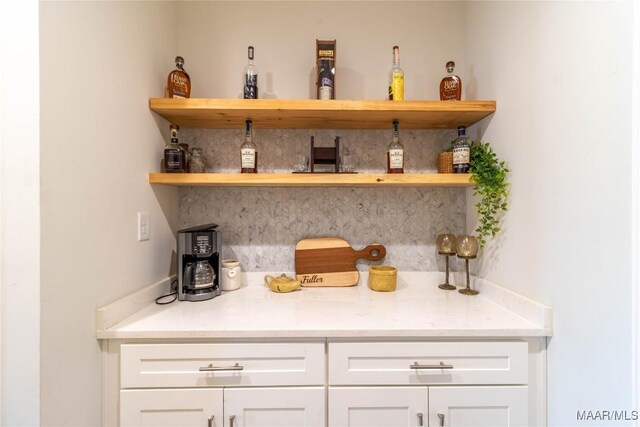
(312, 180)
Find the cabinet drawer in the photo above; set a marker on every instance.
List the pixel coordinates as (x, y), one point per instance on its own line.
(206, 365)
(394, 363)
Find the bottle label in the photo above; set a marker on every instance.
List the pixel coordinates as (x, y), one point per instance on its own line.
(397, 86)
(396, 158)
(174, 160)
(325, 92)
(251, 86)
(248, 156)
(461, 155)
(178, 85)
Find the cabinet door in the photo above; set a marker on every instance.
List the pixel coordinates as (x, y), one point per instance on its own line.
(282, 407)
(171, 408)
(478, 406)
(378, 406)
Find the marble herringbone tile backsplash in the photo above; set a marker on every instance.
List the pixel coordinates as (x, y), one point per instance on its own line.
(261, 225)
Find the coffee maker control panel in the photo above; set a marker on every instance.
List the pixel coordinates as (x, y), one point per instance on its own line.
(202, 244)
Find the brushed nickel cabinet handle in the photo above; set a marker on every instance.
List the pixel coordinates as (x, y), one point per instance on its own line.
(236, 367)
(210, 421)
(416, 365)
(420, 419)
(441, 416)
(232, 419)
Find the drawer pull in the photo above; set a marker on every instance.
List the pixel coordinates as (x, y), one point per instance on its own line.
(210, 368)
(441, 416)
(420, 419)
(232, 419)
(210, 421)
(416, 365)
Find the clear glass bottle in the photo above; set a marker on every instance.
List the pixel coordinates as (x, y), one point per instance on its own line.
(197, 162)
(250, 78)
(175, 159)
(248, 151)
(396, 78)
(461, 152)
(325, 91)
(451, 85)
(395, 152)
(178, 81)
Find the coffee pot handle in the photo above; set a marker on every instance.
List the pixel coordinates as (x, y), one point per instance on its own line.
(188, 275)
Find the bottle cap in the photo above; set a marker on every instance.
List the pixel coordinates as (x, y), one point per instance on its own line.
(179, 60)
(176, 127)
(250, 52)
(451, 64)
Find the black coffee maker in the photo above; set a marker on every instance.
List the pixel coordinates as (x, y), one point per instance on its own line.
(198, 263)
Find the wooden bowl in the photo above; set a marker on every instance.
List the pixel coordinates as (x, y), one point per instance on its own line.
(383, 278)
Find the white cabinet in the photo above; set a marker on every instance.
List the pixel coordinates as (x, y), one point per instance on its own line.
(454, 384)
(326, 384)
(222, 384)
(171, 408)
(478, 406)
(378, 406)
(268, 407)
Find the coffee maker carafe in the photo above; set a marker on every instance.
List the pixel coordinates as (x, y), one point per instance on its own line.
(198, 263)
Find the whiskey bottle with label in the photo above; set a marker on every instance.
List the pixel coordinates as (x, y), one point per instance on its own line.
(178, 81)
(461, 152)
(395, 152)
(175, 159)
(325, 77)
(451, 85)
(250, 77)
(396, 78)
(248, 152)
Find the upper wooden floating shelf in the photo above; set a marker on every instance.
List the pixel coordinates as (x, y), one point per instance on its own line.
(318, 114)
(312, 179)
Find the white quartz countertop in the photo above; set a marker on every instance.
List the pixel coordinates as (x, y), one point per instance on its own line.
(416, 309)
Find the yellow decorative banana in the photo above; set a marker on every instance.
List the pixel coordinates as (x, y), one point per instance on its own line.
(281, 283)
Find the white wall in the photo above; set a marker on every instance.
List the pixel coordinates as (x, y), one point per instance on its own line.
(561, 75)
(100, 64)
(213, 38)
(19, 214)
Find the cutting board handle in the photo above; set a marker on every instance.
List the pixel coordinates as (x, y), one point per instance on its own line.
(373, 252)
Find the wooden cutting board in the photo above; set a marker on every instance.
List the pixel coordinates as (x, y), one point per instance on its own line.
(330, 261)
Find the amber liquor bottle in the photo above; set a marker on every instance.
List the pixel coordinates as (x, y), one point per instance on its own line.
(178, 81)
(248, 151)
(395, 152)
(451, 85)
(175, 158)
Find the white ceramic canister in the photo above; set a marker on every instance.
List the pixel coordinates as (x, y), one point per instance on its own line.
(230, 274)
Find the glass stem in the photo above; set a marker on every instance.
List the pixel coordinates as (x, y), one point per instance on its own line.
(446, 277)
(466, 262)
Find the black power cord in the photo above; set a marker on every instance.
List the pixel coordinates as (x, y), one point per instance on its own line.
(173, 293)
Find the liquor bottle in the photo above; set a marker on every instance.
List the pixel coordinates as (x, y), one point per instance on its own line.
(396, 78)
(248, 152)
(461, 152)
(395, 152)
(451, 85)
(250, 77)
(178, 81)
(325, 91)
(175, 159)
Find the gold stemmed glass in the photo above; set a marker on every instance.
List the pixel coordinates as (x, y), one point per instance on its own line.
(446, 244)
(467, 248)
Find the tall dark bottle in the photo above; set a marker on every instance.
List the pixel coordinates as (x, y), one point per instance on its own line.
(461, 152)
(250, 77)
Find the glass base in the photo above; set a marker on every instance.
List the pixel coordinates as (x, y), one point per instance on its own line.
(447, 287)
(468, 291)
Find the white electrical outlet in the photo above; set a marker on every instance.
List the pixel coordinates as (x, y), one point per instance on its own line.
(144, 230)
